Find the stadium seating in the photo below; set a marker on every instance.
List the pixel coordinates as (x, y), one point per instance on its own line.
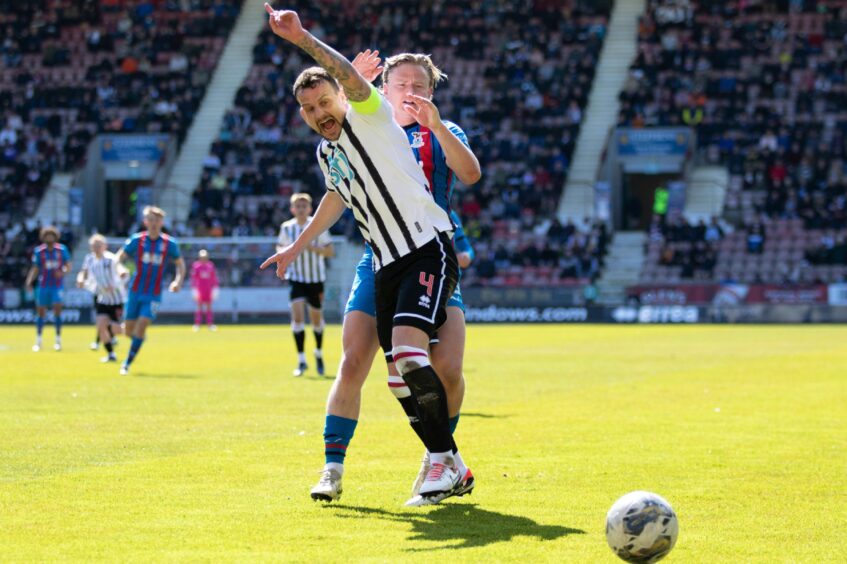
(520, 73)
(70, 69)
(763, 83)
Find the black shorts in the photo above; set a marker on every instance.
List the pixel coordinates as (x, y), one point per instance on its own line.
(115, 312)
(312, 292)
(414, 290)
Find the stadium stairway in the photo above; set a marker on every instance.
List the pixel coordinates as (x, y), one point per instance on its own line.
(619, 49)
(623, 266)
(54, 205)
(706, 193)
(231, 71)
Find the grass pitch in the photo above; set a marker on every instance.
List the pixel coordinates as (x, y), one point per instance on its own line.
(207, 452)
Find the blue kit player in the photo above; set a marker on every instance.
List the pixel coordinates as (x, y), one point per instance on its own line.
(150, 251)
(50, 262)
(441, 149)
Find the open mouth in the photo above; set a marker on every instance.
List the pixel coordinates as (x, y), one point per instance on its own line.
(328, 126)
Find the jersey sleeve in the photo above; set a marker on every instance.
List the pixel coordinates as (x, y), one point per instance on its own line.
(283, 240)
(131, 246)
(36, 259)
(193, 276)
(460, 239)
(86, 262)
(458, 132)
(173, 250)
(374, 110)
(66, 255)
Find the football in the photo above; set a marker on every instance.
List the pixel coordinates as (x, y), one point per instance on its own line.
(641, 527)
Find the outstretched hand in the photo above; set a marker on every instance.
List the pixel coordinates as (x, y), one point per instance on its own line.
(285, 23)
(423, 110)
(282, 259)
(368, 64)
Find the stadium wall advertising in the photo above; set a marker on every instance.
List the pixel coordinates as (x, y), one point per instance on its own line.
(732, 294)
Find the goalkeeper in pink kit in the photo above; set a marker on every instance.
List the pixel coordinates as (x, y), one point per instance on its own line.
(204, 289)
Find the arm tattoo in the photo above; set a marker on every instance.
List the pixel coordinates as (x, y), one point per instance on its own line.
(356, 87)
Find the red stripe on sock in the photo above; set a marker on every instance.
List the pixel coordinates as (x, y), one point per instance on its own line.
(408, 354)
(336, 445)
(397, 385)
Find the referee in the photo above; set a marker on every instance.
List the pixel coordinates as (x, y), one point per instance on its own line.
(306, 276)
(370, 169)
(107, 277)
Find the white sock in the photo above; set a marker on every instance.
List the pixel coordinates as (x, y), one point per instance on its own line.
(318, 353)
(338, 467)
(445, 458)
(460, 464)
(301, 357)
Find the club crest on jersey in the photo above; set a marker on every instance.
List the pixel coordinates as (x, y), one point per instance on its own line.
(417, 139)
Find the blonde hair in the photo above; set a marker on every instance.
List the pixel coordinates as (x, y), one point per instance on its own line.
(153, 210)
(436, 75)
(96, 238)
(296, 197)
(311, 77)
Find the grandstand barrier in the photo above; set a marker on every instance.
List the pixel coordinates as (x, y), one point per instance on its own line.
(737, 294)
(270, 305)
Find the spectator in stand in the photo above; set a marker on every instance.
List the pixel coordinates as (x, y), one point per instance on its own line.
(756, 238)
(539, 57)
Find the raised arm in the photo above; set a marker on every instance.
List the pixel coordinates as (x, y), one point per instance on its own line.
(328, 212)
(286, 24)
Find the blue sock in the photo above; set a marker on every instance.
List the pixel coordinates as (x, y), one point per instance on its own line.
(454, 422)
(39, 325)
(338, 431)
(58, 325)
(133, 350)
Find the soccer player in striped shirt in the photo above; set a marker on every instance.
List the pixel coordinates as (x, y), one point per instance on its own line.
(51, 260)
(306, 275)
(106, 275)
(150, 250)
(442, 149)
(369, 168)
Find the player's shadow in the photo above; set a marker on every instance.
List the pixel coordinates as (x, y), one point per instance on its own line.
(483, 415)
(465, 523)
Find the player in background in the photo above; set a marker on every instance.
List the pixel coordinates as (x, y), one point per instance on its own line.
(150, 250)
(369, 169)
(106, 276)
(441, 148)
(88, 285)
(51, 260)
(306, 275)
(204, 289)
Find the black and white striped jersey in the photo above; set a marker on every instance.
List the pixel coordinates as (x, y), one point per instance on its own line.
(373, 169)
(308, 267)
(109, 288)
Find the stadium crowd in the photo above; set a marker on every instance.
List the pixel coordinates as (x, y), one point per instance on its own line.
(70, 69)
(520, 73)
(763, 82)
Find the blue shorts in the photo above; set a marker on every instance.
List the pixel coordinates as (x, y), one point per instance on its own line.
(48, 296)
(141, 306)
(363, 294)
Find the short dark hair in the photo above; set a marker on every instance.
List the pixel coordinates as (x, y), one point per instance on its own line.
(311, 77)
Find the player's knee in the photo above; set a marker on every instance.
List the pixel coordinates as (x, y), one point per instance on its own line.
(409, 359)
(449, 370)
(354, 366)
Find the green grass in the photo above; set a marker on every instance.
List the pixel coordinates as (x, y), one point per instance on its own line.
(207, 452)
